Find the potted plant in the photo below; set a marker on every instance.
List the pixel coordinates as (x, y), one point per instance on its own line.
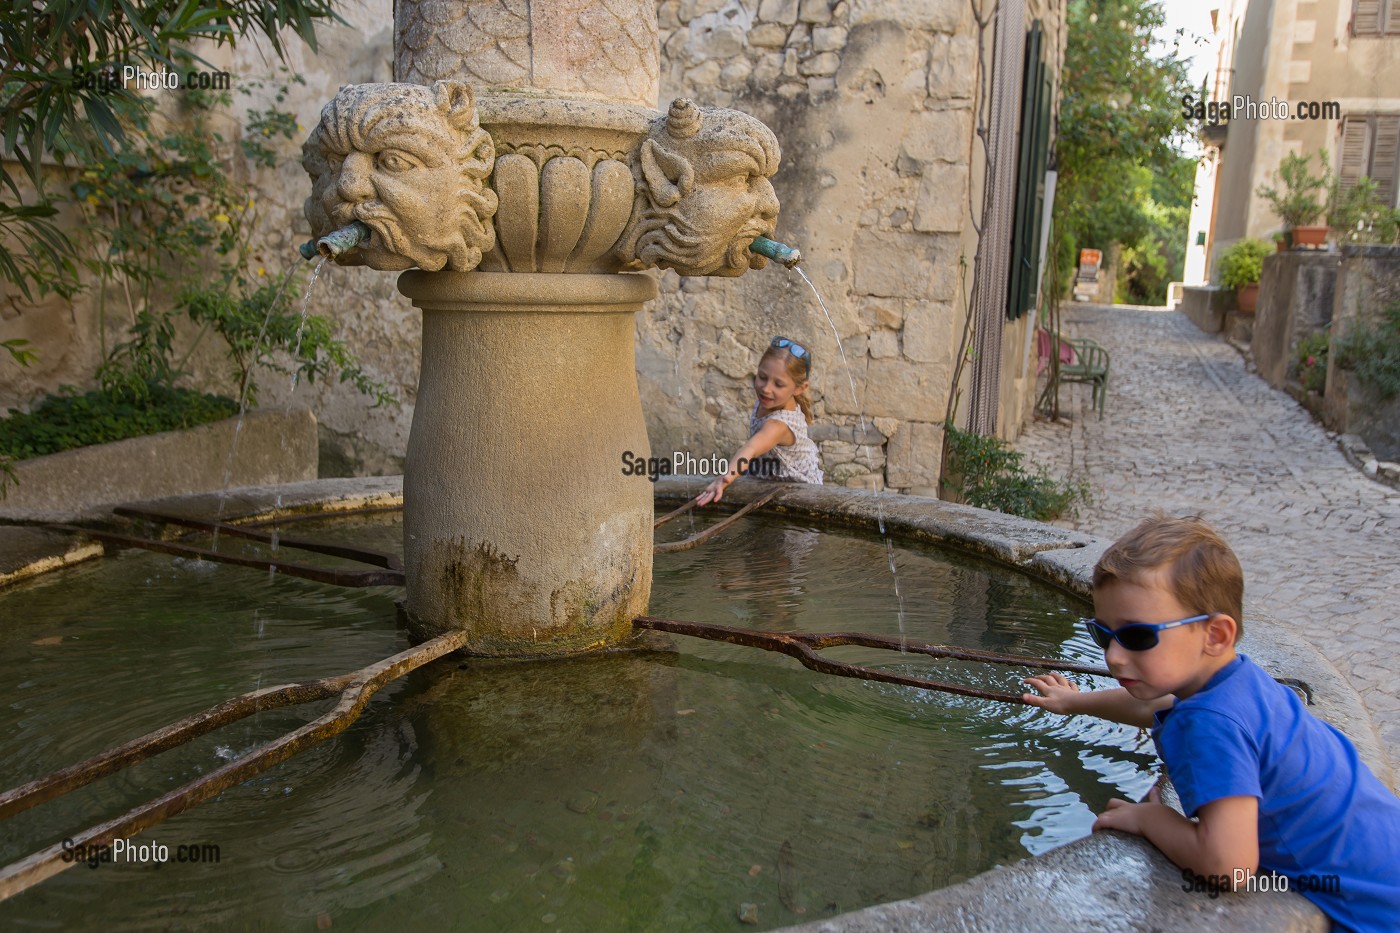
(1300, 199)
(1240, 267)
(1358, 215)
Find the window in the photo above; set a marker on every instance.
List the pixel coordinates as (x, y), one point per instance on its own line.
(1375, 18)
(1371, 146)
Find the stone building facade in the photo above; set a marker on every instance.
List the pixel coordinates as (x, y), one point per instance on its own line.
(882, 110)
(1308, 76)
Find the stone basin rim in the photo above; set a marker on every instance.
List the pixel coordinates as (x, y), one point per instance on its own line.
(1080, 881)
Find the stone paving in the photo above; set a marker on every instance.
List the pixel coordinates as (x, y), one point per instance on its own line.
(1190, 430)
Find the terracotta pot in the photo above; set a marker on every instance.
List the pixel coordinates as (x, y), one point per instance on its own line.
(1309, 236)
(1280, 245)
(1248, 297)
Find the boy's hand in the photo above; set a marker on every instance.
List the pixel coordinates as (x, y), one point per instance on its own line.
(1056, 692)
(1125, 816)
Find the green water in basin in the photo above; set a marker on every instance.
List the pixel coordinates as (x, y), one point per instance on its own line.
(656, 791)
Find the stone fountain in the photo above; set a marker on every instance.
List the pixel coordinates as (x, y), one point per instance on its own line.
(520, 171)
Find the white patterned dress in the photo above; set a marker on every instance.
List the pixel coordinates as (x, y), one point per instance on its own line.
(799, 462)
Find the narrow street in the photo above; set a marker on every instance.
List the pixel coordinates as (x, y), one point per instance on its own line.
(1189, 430)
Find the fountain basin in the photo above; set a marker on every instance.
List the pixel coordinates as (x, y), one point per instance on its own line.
(1085, 880)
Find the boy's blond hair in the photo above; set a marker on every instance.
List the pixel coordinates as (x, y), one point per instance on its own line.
(1202, 573)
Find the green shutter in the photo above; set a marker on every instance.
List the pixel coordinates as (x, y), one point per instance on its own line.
(1033, 151)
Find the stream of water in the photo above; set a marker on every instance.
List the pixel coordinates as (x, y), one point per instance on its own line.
(246, 388)
(869, 460)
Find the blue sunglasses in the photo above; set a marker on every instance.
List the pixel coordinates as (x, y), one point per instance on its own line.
(1135, 636)
(796, 349)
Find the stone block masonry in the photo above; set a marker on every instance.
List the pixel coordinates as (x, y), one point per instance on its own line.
(873, 104)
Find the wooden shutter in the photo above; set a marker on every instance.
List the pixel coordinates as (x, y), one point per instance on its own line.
(1385, 156)
(1366, 18)
(1356, 143)
(1392, 18)
(1023, 285)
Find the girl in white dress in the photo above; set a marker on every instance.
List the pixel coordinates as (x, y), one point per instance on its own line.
(778, 425)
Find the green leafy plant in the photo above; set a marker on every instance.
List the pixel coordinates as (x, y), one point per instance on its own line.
(165, 218)
(169, 212)
(19, 351)
(1122, 178)
(63, 100)
(1243, 263)
(1311, 355)
(1372, 351)
(65, 421)
(1358, 214)
(1300, 198)
(988, 473)
(256, 322)
(266, 126)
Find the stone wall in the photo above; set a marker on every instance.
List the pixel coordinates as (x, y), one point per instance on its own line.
(1206, 306)
(876, 109)
(1368, 283)
(1296, 294)
(875, 105)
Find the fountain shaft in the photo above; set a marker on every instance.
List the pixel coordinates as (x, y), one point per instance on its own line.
(520, 525)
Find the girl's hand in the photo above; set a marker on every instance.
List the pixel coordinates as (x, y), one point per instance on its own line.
(1056, 692)
(713, 492)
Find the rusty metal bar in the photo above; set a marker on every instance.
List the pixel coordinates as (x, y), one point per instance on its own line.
(804, 647)
(355, 689)
(113, 760)
(289, 518)
(820, 640)
(677, 513)
(362, 555)
(319, 574)
(716, 528)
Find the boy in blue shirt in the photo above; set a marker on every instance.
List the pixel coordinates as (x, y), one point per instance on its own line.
(1267, 786)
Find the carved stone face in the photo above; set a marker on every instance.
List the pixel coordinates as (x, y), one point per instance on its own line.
(411, 163)
(703, 179)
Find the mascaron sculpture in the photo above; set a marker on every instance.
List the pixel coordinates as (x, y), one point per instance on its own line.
(414, 164)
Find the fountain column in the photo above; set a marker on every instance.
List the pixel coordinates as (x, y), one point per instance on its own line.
(519, 525)
(520, 165)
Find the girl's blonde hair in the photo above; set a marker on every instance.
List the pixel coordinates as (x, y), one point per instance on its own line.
(797, 371)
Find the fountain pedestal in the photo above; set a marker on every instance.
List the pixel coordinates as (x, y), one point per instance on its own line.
(520, 526)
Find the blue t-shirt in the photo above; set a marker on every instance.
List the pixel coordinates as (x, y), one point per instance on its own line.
(1321, 810)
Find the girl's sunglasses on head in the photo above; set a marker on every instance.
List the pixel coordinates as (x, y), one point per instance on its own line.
(1135, 636)
(795, 348)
